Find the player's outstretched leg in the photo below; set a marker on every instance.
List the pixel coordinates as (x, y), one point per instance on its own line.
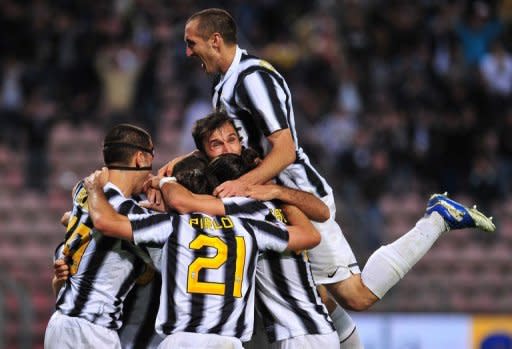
(391, 262)
(458, 216)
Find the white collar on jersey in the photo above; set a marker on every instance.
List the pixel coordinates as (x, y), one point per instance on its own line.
(233, 66)
(110, 185)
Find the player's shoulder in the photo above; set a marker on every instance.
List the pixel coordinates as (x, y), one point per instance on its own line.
(251, 64)
(244, 206)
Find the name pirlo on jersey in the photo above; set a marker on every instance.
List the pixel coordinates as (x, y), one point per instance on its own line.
(204, 222)
(225, 222)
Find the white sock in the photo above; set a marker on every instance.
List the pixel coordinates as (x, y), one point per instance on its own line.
(390, 263)
(352, 342)
(343, 323)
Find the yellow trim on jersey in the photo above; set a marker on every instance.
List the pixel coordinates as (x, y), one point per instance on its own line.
(80, 237)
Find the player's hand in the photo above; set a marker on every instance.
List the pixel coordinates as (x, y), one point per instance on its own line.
(61, 270)
(167, 169)
(231, 188)
(160, 207)
(97, 179)
(65, 218)
(152, 183)
(154, 200)
(263, 192)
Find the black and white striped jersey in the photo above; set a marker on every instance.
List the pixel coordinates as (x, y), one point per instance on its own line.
(139, 315)
(208, 266)
(286, 295)
(103, 269)
(287, 299)
(257, 97)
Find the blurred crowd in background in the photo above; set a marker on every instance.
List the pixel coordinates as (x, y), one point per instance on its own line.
(389, 96)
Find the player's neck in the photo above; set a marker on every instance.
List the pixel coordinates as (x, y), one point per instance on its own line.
(124, 180)
(228, 57)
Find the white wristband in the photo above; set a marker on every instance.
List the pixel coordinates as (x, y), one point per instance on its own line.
(164, 180)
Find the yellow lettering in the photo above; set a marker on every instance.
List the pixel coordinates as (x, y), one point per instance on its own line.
(193, 222)
(207, 223)
(227, 223)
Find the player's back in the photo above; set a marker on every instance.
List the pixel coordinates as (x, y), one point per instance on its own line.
(102, 269)
(208, 271)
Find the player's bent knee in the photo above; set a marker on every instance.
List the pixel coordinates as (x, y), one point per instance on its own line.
(352, 294)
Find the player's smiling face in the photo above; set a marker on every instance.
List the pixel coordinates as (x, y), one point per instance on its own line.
(198, 46)
(222, 141)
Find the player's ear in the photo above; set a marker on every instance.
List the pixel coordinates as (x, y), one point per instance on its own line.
(139, 159)
(216, 40)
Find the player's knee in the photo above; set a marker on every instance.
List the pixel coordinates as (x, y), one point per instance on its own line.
(352, 294)
(360, 303)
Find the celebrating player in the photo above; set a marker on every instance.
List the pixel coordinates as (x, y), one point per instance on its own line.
(287, 299)
(102, 270)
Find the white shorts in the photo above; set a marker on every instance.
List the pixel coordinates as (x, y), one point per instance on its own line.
(332, 260)
(188, 340)
(312, 341)
(75, 333)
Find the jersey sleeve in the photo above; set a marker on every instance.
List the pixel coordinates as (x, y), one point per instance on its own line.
(264, 94)
(151, 229)
(244, 207)
(270, 235)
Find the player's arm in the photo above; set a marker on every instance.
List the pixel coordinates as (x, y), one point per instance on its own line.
(184, 201)
(266, 100)
(302, 234)
(280, 156)
(167, 169)
(103, 215)
(314, 208)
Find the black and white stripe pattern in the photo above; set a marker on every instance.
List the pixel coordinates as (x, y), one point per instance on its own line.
(287, 298)
(106, 269)
(286, 294)
(257, 97)
(229, 247)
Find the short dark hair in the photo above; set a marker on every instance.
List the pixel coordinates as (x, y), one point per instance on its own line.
(191, 173)
(215, 20)
(231, 166)
(203, 128)
(123, 141)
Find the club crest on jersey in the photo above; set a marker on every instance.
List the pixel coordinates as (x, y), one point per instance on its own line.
(81, 199)
(279, 214)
